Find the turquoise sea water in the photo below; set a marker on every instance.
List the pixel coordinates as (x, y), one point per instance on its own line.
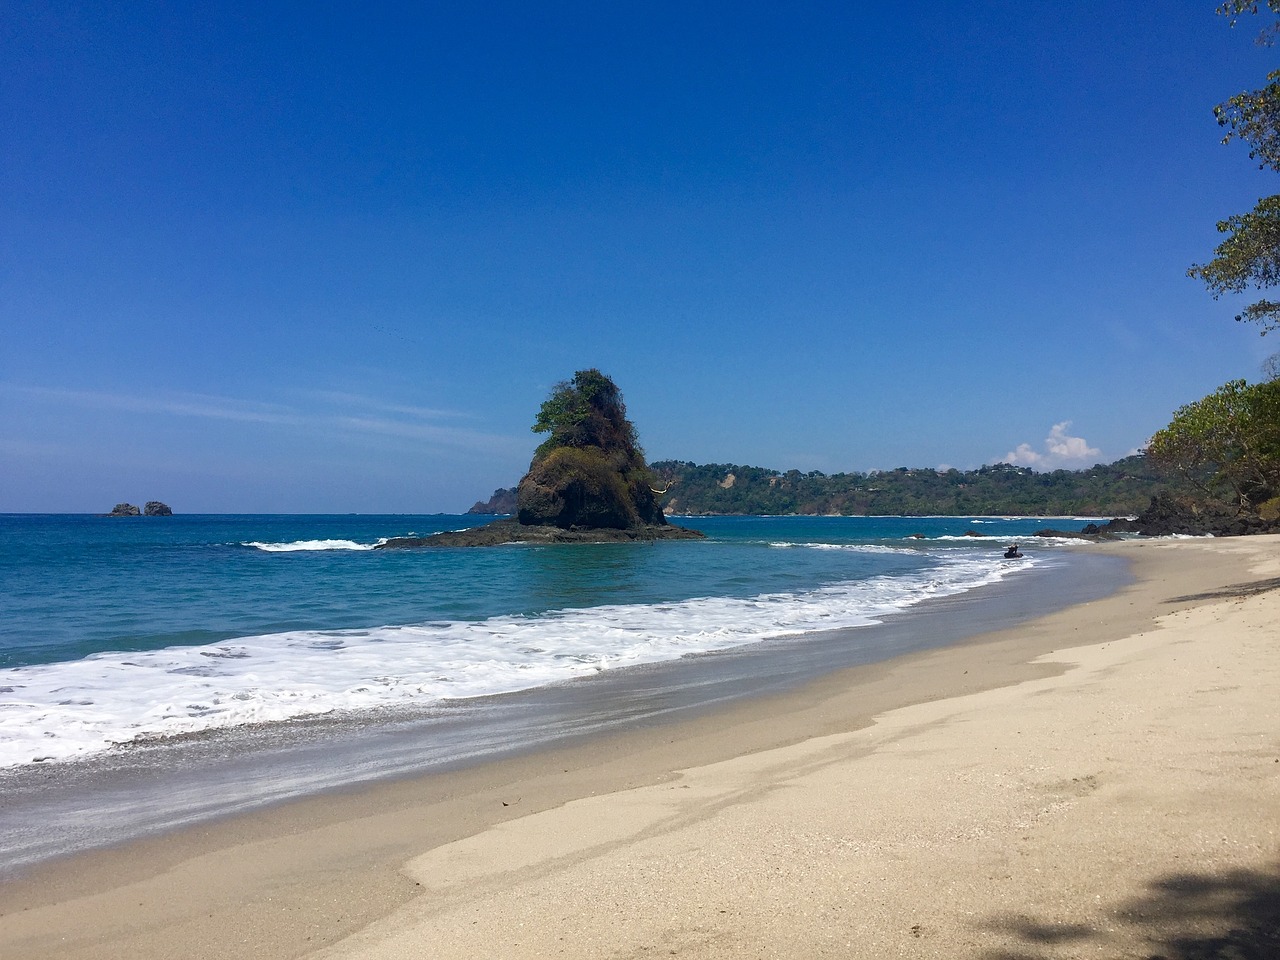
(119, 629)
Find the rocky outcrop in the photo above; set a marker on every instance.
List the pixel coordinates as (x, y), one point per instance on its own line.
(590, 471)
(587, 487)
(513, 531)
(588, 482)
(154, 508)
(502, 502)
(1169, 516)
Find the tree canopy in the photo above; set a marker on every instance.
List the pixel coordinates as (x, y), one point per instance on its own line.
(586, 411)
(1229, 439)
(1250, 255)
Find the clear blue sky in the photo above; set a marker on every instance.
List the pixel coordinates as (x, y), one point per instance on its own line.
(331, 257)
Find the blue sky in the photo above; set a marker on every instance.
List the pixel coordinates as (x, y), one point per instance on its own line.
(331, 257)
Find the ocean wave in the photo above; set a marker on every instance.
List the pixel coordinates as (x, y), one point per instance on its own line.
(69, 709)
(851, 547)
(994, 540)
(304, 545)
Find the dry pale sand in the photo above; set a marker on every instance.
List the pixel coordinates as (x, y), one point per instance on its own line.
(1102, 782)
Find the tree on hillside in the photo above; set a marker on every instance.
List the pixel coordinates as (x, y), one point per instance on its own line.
(1250, 255)
(1230, 438)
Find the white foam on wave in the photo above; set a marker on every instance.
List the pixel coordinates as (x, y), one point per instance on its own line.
(851, 547)
(301, 545)
(66, 710)
(994, 541)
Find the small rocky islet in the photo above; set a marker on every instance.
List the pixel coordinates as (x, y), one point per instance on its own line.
(154, 508)
(588, 481)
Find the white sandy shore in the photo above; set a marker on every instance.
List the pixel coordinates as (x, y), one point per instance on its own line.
(1118, 797)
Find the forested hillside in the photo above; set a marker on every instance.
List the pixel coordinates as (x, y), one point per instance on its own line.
(1117, 489)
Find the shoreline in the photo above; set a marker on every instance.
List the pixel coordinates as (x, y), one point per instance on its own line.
(154, 786)
(291, 879)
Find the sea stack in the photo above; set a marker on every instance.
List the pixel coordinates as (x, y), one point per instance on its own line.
(588, 481)
(590, 471)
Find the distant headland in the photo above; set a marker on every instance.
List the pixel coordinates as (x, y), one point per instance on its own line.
(1160, 502)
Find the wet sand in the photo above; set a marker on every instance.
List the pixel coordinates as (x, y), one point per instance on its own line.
(1101, 781)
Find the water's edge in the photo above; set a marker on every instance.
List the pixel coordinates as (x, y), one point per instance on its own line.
(141, 790)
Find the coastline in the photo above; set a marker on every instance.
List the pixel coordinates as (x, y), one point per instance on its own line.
(880, 784)
(149, 787)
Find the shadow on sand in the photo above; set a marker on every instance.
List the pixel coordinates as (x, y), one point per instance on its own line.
(1183, 916)
(1235, 590)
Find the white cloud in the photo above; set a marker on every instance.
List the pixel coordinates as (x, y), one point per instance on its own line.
(1061, 450)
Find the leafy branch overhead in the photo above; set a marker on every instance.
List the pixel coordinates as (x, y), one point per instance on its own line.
(1250, 256)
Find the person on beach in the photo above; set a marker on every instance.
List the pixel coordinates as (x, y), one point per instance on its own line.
(1013, 553)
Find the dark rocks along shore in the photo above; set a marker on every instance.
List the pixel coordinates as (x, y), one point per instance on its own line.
(513, 531)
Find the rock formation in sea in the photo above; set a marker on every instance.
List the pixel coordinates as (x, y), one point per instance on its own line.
(154, 508)
(588, 481)
(503, 501)
(590, 471)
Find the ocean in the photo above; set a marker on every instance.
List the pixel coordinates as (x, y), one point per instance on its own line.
(213, 643)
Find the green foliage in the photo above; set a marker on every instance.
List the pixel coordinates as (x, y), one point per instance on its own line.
(586, 411)
(1119, 489)
(1252, 116)
(1250, 256)
(1234, 9)
(1229, 439)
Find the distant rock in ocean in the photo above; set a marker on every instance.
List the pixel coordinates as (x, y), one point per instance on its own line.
(154, 508)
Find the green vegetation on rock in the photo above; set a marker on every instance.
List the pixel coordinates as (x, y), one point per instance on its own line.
(590, 471)
(588, 482)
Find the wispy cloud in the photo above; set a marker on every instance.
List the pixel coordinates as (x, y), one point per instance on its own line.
(341, 398)
(332, 413)
(1060, 450)
(180, 405)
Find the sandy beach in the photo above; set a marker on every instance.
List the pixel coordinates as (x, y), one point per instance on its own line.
(1104, 781)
